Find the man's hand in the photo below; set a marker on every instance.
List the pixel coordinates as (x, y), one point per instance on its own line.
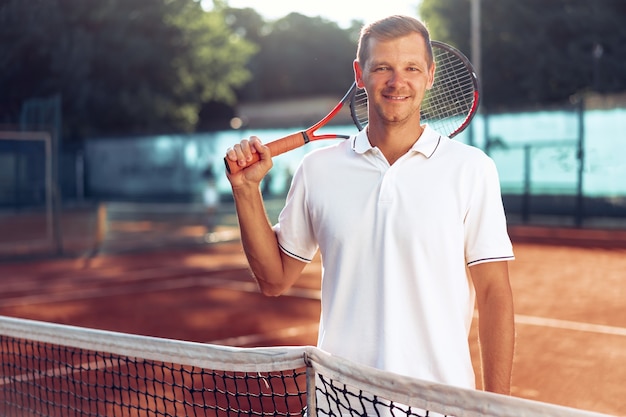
(242, 154)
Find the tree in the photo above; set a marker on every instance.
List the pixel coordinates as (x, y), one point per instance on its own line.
(120, 65)
(298, 56)
(538, 52)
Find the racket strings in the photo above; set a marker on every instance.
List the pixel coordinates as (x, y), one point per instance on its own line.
(358, 106)
(451, 99)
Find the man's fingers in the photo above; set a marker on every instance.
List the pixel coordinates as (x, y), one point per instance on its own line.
(242, 152)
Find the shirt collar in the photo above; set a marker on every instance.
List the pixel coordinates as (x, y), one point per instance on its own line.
(426, 145)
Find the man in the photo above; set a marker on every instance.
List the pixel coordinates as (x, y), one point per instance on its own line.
(399, 214)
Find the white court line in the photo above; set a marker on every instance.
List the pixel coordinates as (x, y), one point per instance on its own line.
(123, 288)
(151, 286)
(570, 325)
(251, 287)
(259, 338)
(57, 372)
(108, 273)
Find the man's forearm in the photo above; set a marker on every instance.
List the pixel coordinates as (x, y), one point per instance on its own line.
(497, 344)
(259, 240)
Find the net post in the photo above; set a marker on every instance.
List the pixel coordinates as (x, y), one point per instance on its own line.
(101, 226)
(44, 137)
(311, 404)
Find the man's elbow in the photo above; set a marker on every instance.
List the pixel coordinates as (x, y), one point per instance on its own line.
(276, 281)
(269, 289)
(271, 292)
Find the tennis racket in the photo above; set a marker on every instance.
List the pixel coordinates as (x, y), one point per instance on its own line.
(448, 107)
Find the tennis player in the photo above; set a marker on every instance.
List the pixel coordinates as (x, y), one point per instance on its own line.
(409, 223)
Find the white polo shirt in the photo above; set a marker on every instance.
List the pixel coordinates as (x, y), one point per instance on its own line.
(395, 242)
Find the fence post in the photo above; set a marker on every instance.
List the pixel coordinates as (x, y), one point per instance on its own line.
(527, 183)
(580, 198)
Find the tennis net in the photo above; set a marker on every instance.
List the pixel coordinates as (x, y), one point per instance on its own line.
(57, 370)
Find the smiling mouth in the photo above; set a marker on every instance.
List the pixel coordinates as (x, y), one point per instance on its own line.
(395, 97)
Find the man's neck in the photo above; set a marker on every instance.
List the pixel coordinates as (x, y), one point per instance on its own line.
(394, 140)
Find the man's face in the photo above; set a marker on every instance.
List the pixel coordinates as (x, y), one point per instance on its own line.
(395, 77)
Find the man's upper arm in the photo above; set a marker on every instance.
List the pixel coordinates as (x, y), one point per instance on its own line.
(490, 278)
(293, 267)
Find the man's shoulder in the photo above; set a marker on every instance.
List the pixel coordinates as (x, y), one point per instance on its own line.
(324, 152)
(465, 150)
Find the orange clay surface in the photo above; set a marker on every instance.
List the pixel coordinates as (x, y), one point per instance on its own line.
(570, 307)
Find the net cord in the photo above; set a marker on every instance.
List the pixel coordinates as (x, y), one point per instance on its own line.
(202, 355)
(408, 391)
(431, 396)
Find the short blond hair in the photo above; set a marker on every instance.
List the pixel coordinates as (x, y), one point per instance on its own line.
(389, 28)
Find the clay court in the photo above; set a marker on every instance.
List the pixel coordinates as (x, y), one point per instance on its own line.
(569, 288)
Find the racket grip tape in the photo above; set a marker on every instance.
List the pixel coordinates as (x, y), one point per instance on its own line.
(277, 147)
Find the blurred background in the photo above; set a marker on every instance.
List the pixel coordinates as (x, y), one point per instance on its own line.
(115, 114)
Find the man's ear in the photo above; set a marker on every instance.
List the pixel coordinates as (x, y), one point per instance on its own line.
(358, 74)
(431, 76)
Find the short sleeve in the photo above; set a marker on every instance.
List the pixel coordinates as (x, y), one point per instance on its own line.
(486, 234)
(294, 229)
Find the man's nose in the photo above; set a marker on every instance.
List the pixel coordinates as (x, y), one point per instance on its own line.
(396, 78)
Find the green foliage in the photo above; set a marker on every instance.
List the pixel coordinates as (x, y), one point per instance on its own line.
(298, 55)
(120, 65)
(308, 63)
(538, 52)
(149, 66)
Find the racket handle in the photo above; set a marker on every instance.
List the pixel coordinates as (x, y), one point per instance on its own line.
(277, 147)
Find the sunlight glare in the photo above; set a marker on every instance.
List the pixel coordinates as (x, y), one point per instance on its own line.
(342, 12)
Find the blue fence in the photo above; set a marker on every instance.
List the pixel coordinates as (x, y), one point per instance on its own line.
(557, 162)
